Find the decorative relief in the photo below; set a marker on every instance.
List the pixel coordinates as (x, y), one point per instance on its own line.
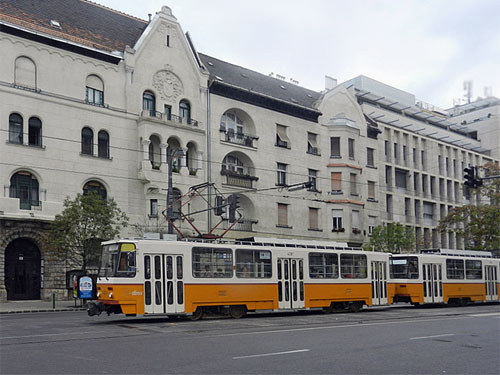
(167, 84)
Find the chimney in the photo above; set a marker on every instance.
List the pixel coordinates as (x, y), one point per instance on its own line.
(330, 83)
(149, 15)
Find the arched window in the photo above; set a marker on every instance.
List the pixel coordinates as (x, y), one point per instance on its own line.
(95, 187)
(15, 128)
(185, 110)
(25, 72)
(94, 93)
(149, 103)
(87, 141)
(192, 158)
(177, 203)
(24, 185)
(154, 152)
(233, 164)
(34, 132)
(232, 123)
(103, 144)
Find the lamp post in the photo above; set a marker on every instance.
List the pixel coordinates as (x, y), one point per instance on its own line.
(171, 155)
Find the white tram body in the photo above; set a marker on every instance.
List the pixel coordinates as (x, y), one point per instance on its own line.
(148, 277)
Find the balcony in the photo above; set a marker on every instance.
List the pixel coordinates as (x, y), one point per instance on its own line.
(238, 138)
(169, 118)
(237, 179)
(244, 225)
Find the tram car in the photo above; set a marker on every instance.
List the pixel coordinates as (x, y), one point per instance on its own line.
(445, 276)
(150, 277)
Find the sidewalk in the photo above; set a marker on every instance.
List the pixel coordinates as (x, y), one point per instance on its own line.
(16, 307)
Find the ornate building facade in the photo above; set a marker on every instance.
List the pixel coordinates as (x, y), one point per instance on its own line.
(104, 102)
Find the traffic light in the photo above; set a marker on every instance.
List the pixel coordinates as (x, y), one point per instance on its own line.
(472, 180)
(469, 177)
(234, 204)
(220, 205)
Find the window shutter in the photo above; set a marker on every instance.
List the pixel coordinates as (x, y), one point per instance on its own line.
(313, 218)
(282, 214)
(336, 181)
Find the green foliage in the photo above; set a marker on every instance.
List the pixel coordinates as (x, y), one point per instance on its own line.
(478, 224)
(393, 238)
(76, 233)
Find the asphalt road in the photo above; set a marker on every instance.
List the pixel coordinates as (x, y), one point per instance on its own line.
(392, 340)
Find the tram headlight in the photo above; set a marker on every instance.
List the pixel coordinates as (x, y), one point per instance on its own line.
(110, 295)
(98, 294)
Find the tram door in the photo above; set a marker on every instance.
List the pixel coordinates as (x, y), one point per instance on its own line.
(290, 283)
(379, 283)
(433, 282)
(491, 283)
(163, 284)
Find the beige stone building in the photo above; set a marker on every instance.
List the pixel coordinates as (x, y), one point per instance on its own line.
(100, 102)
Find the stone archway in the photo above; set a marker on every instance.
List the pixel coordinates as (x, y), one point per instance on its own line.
(22, 270)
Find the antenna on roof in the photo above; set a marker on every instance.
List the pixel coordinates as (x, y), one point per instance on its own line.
(468, 90)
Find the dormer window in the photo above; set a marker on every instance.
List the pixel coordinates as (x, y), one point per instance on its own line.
(55, 24)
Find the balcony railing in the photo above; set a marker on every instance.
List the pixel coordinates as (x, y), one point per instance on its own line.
(245, 225)
(170, 118)
(239, 180)
(239, 138)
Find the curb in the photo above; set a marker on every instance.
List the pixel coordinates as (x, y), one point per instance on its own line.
(40, 310)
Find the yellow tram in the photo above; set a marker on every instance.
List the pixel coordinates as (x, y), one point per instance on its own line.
(150, 277)
(445, 276)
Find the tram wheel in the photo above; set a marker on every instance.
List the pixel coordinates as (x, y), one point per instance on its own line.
(198, 314)
(328, 309)
(355, 306)
(237, 311)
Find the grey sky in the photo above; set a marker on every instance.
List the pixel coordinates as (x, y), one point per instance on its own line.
(424, 47)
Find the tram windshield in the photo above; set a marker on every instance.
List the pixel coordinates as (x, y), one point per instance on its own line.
(118, 260)
(404, 268)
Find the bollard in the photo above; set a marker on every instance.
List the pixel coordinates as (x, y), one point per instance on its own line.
(53, 300)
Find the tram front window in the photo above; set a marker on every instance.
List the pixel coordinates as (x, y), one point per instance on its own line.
(404, 268)
(118, 260)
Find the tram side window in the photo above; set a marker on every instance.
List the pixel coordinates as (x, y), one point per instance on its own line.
(454, 268)
(404, 268)
(353, 266)
(212, 263)
(473, 269)
(323, 266)
(253, 264)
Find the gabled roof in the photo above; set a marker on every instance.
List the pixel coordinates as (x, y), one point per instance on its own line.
(251, 81)
(81, 22)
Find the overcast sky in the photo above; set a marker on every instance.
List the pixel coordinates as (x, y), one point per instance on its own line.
(426, 47)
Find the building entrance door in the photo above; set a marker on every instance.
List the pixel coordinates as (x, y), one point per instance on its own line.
(22, 270)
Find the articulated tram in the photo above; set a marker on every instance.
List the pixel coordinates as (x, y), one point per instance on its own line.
(159, 277)
(148, 277)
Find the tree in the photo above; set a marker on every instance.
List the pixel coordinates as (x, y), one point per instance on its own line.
(478, 225)
(76, 233)
(393, 238)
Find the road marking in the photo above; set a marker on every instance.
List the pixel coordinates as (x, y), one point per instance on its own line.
(269, 354)
(431, 337)
(332, 327)
(485, 314)
(48, 335)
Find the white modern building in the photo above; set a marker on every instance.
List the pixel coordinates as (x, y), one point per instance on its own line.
(101, 101)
